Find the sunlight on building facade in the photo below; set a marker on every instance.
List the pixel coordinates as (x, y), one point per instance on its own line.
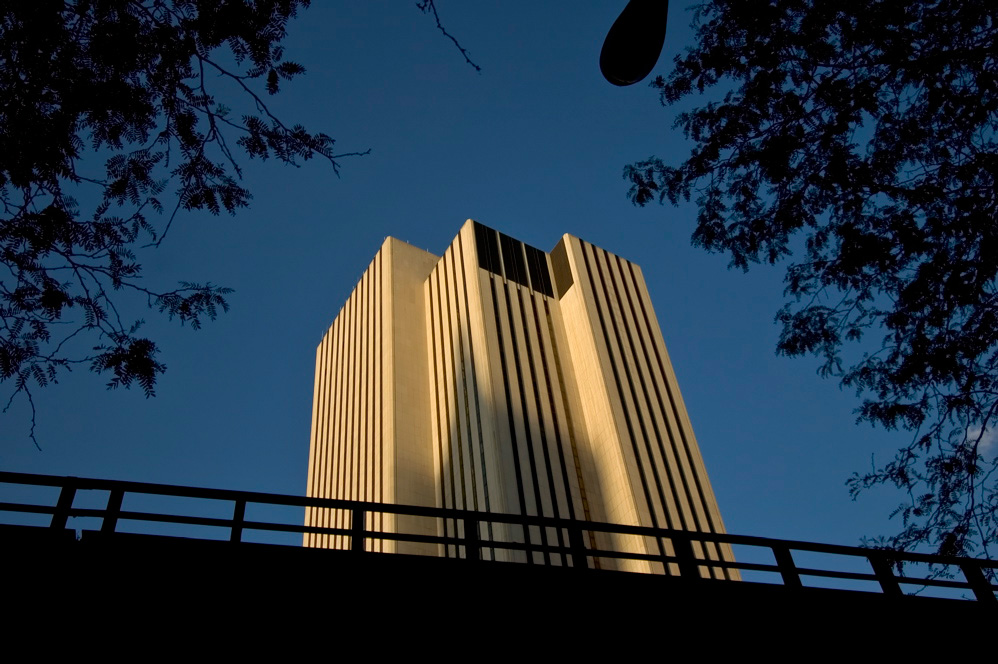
(500, 378)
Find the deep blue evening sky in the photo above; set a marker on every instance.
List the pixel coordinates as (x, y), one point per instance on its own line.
(533, 146)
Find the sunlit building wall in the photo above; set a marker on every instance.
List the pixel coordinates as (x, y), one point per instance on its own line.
(500, 378)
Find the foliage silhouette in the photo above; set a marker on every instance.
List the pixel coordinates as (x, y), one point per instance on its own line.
(858, 140)
(134, 85)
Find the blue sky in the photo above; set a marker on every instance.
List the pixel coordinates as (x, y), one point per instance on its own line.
(534, 146)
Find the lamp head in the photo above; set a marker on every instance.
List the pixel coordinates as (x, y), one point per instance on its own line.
(634, 42)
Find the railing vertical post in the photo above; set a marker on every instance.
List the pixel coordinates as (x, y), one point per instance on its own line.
(472, 541)
(688, 568)
(978, 582)
(65, 503)
(238, 516)
(885, 576)
(529, 550)
(788, 570)
(112, 511)
(357, 530)
(578, 545)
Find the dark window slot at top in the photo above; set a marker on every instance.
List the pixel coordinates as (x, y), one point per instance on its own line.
(512, 257)
(488, 249)
(540, 278)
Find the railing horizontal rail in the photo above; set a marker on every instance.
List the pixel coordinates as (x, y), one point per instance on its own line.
(562, 539)
(751, 567)
(836, 574)
(941, 583)
(27, 508)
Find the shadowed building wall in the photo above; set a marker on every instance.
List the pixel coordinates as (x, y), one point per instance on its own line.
(500, 378)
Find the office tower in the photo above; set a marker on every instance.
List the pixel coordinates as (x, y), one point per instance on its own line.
(500, 378)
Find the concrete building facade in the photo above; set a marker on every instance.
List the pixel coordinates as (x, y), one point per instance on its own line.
(500, 378)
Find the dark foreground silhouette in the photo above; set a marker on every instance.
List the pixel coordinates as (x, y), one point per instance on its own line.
(105, 577)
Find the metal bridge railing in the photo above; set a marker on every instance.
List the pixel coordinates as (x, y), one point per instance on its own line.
(681, 553)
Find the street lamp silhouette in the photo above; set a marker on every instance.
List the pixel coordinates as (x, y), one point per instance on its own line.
(634, 42)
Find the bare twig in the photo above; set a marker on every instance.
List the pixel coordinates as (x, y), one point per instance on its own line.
(428, 7)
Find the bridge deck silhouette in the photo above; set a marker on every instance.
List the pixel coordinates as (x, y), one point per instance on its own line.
(124, 561)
